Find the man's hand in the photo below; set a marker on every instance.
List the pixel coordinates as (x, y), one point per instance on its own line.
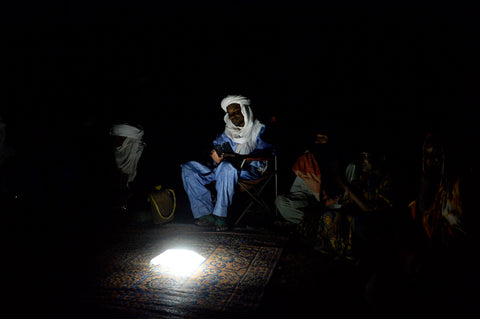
(217, 159)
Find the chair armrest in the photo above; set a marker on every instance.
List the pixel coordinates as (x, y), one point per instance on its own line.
(260, 158)
(251, 159)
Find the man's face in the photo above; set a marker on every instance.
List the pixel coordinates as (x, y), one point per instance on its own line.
(366, 161)
(235, 114)
(433, 159)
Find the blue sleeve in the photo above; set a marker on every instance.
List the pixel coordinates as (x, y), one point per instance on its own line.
(222, 138)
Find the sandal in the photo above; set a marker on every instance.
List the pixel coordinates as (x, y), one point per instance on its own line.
(207, 220)
(221, 224)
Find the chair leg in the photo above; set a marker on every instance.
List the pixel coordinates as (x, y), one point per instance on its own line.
(255, 198)
(243, 214)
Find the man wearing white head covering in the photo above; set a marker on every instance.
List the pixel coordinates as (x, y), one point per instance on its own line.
(243, 134)
(128, 153)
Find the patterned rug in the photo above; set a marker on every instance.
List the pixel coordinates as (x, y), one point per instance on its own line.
(230, 281)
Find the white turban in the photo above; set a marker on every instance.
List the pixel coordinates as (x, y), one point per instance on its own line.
(128, 154)
(127, 131)
(230, 99)
(246, 136)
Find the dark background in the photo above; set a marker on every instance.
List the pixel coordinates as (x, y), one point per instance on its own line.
(387, 70)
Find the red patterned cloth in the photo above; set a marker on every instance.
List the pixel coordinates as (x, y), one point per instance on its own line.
(306, 167)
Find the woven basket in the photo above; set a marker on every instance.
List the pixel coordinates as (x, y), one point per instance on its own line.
(162, 203)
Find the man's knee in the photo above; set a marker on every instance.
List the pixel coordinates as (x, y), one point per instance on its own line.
(226, 169)
(189, 172)
(188, 168)
(280, 201)
(283, 205)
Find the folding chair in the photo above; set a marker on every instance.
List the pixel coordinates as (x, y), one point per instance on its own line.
(255, 188)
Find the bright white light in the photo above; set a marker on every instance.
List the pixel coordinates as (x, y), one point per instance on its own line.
(179, 262)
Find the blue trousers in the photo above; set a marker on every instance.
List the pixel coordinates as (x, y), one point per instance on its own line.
(196, 176)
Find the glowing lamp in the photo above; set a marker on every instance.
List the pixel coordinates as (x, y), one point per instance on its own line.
(179, 262)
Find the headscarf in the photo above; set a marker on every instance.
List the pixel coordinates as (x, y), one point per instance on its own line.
(306, 167)
(246, 136)
(128, 154)
(126, 131)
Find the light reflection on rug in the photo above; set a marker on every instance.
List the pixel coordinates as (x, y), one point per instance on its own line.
(231, 279)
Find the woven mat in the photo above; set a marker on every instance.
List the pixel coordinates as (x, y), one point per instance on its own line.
(230, 281)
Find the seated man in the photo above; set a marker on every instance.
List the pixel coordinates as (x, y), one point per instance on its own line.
(241, 138)
(365, 207)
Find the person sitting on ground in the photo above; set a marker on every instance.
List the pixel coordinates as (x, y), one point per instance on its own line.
(312, 184)
(438, 207)
(441, 212)
(241, 138)
(367, 195)
(437, 251)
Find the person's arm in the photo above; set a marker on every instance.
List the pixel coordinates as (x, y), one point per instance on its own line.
(358, 199)
(214, 155)
(353, 195)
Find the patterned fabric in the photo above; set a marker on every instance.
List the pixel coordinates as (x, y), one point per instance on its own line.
(336, 228)
(231, 279)
(336, 237)
(439, 208)
(442, 220)
(377, 190)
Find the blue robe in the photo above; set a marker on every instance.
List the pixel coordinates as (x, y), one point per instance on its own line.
(196, 175)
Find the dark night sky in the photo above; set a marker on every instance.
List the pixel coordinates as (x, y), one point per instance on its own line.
(394, 68)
